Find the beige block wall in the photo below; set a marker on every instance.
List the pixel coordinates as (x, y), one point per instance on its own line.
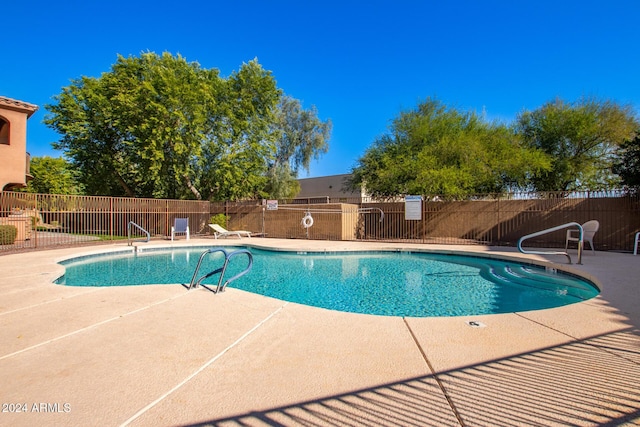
(22, 224)
(335, 221)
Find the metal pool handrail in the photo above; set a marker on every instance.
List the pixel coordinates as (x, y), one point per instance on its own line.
(139, 228)
(550, 230)
(227, 256)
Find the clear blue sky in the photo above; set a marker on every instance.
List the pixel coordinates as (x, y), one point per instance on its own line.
(360, 63)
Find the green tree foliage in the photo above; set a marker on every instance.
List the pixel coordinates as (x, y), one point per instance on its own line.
(282, 182)
(434, 149)
(52, 175)
(581, 138)
(300, 137)
(240, 140)
(627, 165)
(159, 126)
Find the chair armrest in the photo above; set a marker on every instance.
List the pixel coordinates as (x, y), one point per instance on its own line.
(571, 232)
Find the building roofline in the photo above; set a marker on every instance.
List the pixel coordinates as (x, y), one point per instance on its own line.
(326, 176)
(14, 104)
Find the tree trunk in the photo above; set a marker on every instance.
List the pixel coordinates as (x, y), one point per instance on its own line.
(124, 185)
(193, 189)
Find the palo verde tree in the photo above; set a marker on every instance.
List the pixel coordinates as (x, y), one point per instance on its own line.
(159, 126)
(581, 139)
(437, 150)
(300, 137)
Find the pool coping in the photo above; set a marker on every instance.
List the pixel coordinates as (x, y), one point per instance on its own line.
(291, 364)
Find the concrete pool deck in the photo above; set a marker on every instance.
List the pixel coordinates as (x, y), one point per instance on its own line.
(164, 356)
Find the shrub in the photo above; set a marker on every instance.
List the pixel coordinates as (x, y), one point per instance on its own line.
(220, 219)
(8, 234)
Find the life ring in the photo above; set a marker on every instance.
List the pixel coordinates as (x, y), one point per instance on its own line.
(307, 221)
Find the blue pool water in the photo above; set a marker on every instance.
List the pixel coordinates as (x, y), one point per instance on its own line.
(409, 284)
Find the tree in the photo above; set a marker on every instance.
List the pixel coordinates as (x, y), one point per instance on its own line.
(628, 164)
(240, 141)
(581, 138)
(281, 182)
(300, 137)
(438, 150)
(159, 126)
(118, 130)
(52, 175)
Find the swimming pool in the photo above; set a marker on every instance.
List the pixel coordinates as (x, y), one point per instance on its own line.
(403, 283)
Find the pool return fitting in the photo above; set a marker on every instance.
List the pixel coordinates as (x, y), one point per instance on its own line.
(222, 283)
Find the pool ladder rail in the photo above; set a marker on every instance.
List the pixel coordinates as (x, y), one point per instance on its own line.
(129, 241)
(222, 283)
(550, 230)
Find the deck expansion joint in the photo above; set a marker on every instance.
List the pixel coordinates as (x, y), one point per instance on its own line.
(86, 328)
(203, 367)
(434, 374)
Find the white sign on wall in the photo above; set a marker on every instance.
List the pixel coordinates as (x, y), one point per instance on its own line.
(413, 208)
(272, 205)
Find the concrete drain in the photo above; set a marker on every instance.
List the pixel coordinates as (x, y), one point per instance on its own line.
(475, 324)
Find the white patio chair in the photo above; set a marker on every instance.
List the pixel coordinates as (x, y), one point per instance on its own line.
(589, 230)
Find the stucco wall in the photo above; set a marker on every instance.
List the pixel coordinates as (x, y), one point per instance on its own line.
(13, 156)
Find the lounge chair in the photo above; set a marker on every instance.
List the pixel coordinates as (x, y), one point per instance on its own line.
(589, 230)
(180, 226)
(219, 231)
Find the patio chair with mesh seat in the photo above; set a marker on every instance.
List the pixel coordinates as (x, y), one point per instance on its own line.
(180, 226)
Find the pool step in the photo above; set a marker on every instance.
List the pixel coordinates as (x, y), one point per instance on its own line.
(530, 277)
